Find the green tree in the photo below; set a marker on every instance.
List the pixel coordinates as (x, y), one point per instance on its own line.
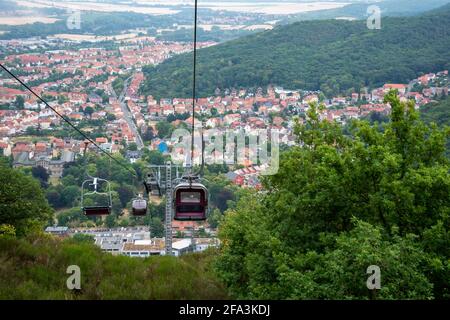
(156, 227)
(221, 191)
(214, 112)
(53, 195)
(62, 99)
(340, 272)
(6, 161)
(148, 134)
(158, 210)
(41, 174)
(68, 180)
(153, 157)
(164, 129)
(7, 230)
(126, 193)
(71, 218)
(118, 85)
(381, 191)
(23, 203)
(69, 194)
(214, 218)
(132, 146)
(88, 111)
(19, 103)
(110, 221)
(83, 238)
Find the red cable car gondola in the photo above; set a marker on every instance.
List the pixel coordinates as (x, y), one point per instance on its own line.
(190, 201)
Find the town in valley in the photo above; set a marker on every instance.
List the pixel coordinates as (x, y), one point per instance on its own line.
(95, 82)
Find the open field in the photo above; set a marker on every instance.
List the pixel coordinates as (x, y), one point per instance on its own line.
(259, 27)
(92, 38)
(166, 7)
(17, 21)
(31, 4)
(101, 7)
(209, 27)
(274, 8)
(262, 7)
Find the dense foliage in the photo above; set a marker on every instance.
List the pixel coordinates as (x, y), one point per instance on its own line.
(339, 204)
(35, 268)
(215, 34)
(112, 23)
(91, 22)
(330, 55)
(23, 205)
(439, 113)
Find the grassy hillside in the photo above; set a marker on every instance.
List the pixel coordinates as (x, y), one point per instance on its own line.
(330, 55)
(36, 269)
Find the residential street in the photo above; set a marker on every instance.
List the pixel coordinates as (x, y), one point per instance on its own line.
(128, 115)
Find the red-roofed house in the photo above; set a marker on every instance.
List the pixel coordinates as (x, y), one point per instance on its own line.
(395, 86)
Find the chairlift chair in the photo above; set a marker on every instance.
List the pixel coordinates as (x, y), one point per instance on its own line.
(190, 201)
(99, 209)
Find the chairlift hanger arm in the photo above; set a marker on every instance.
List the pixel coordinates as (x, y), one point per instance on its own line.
(96, 209)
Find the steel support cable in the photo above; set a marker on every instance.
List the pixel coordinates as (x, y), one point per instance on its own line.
(194, 93)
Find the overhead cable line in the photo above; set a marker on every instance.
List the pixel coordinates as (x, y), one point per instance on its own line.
(67, 120)
(194, 81)
(194, 96)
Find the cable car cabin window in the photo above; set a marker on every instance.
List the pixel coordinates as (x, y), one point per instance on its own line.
(190, 197)
(139, 204)
(186, 208)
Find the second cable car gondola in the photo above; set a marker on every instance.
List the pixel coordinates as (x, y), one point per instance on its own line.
(190, 201)
(139, 206)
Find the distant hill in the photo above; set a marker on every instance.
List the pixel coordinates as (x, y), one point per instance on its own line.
(8, 5)
(358, 10)
(330, 55)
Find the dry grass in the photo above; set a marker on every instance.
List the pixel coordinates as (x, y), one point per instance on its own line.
(17, 21)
